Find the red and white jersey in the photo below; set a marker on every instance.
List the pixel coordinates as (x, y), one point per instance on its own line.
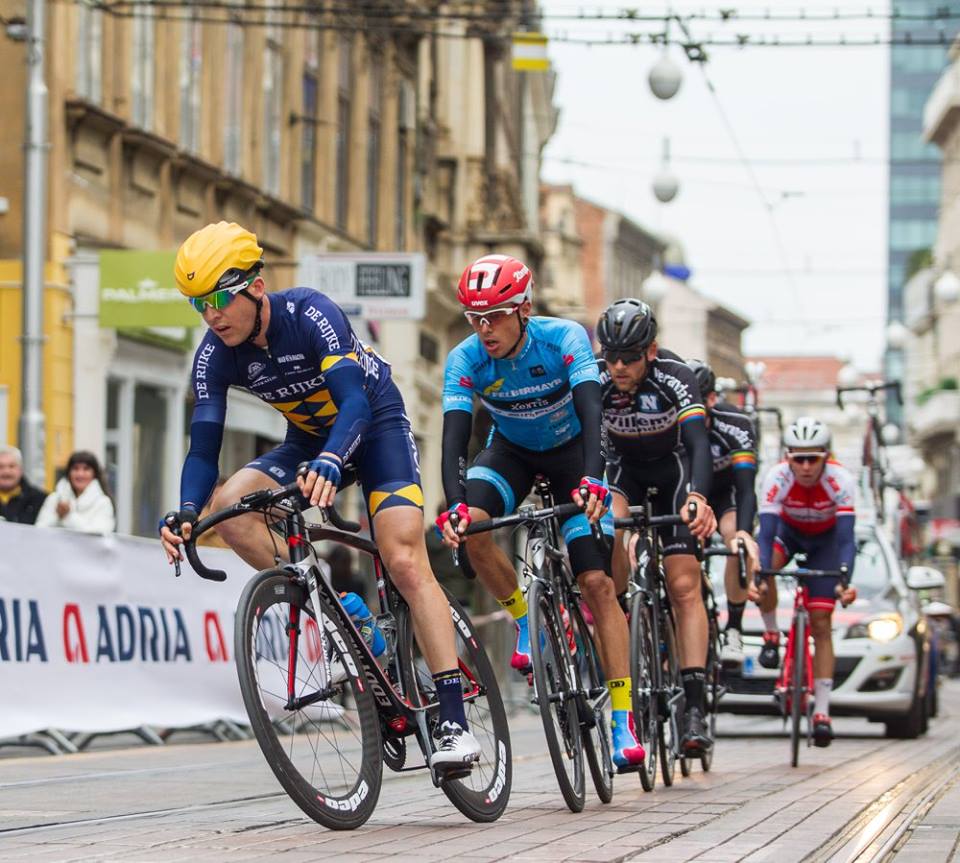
(813, 509)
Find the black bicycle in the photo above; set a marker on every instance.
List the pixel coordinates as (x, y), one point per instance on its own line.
(568, 681)
(657, 696)
(714, 688)
(326, 712)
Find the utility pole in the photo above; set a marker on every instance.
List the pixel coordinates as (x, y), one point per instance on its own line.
(32, 422)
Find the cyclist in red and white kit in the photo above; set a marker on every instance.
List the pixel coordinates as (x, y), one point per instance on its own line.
(807, 506)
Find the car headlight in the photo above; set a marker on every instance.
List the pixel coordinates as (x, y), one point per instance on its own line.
(881, 629)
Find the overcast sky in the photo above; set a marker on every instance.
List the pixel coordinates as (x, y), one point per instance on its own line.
(813, 124)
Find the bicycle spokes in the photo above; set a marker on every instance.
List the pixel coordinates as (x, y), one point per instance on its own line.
(304, 687)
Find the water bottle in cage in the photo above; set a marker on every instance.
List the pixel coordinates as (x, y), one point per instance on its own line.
(364, 621)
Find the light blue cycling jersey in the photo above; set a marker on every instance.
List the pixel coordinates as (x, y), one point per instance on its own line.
(529, 396)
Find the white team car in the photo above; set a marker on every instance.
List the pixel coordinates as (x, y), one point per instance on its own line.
(881, 643)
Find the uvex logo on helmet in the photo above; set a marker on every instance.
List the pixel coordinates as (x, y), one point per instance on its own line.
(493, 280)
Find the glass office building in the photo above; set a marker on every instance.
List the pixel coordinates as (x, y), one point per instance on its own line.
(914, 165)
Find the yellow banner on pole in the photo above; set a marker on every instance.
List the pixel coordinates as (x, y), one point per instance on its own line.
(530, 52)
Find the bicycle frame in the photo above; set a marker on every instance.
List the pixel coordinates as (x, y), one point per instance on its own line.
(399, 715)
(786, 686)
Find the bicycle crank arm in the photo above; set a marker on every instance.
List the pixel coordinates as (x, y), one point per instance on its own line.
(320, 695)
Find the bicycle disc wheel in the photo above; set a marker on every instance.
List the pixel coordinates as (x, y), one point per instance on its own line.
(644, 682)
(482, 796)
(797, 686)
(594, 725)
(555, 694)
(326, 753)
(671, 695)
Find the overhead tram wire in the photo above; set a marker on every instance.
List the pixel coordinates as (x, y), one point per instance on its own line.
(355, 20)
(748, 167)
(728, 15)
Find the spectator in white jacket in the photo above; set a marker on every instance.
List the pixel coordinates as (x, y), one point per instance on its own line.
(80, 500)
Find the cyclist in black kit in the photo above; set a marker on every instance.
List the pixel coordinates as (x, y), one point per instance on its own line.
(653, 418)
(733, 496)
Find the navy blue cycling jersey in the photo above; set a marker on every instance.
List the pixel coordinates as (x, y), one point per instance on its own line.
(528, 396)
(312, 371)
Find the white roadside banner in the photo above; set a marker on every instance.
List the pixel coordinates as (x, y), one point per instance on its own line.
(96, 634)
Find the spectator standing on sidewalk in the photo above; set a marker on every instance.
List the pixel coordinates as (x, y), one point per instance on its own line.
(80, 500)
(20, 501)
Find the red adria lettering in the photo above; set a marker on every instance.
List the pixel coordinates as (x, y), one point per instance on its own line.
(213, 634)
(75, 650)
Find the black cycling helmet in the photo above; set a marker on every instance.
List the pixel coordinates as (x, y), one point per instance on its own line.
(627, 324)
(706, 379)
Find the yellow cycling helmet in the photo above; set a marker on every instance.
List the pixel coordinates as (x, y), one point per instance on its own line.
(218, 256)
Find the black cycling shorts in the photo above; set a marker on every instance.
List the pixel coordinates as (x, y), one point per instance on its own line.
(502, 475)
(723, 500)
(670, 476)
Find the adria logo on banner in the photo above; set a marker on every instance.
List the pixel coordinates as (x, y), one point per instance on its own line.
(30, 632)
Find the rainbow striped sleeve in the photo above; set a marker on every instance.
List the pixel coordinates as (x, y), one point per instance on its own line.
(744, 459)
(694, 412)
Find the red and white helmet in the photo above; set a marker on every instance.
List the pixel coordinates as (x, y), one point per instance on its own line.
(495, 279)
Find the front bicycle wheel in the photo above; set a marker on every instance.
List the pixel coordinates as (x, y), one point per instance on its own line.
(594, 725)
(644, 683)
(712, 688)
(797, 684)
(315, 720)
(555, 693)
(482, 796)
(671, 698)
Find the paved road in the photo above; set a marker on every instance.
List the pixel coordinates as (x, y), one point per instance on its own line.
(865, 798)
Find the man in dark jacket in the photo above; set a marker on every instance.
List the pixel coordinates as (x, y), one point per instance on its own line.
(19, 501)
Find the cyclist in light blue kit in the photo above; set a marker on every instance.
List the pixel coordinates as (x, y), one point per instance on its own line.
(539, 380)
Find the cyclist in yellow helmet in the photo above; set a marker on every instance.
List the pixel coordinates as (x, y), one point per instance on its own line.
(297, 351)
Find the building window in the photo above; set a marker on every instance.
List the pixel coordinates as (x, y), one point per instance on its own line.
(909, 234)
(429, 347)
(910, 145)
(308, 142)
(404, 109)
(191, 60)
(233, 99)
(89, 52)
(141, 78)
(373, 146)
(344, 93)
(272, 100)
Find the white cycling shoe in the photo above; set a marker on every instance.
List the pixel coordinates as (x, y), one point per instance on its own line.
(454, 747)
(732, 653)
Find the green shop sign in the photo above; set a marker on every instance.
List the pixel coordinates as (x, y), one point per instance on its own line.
(137, 291)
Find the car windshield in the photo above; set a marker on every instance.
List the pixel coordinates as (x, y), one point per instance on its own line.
(871, 575)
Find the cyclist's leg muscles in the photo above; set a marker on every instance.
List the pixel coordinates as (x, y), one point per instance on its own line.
(390, 476)
(822, 553)
(248, 535)
(681, 564)
(724, 507)
(496, 481)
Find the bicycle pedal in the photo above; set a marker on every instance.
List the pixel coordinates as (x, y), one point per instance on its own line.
(453, 772)
(629, 768)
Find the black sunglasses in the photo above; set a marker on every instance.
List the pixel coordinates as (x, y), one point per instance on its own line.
(626, 357)
(806, 458)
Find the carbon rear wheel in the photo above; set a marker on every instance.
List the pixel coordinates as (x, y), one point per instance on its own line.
(483, 795)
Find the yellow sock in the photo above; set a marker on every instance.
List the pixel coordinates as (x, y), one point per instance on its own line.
(620, 693)
(516, 604)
